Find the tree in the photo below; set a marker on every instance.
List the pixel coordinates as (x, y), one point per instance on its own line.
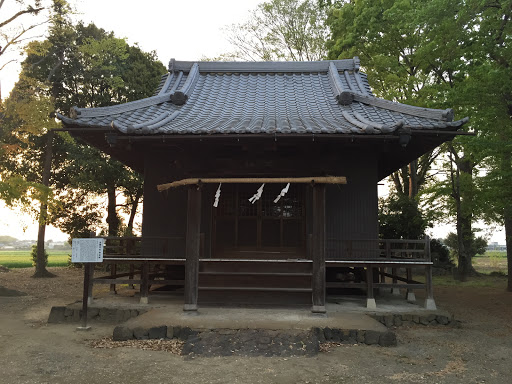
(489, 30)
(425, 52)
(280, 30)
(88, 67)
(400, 218)
(479, 245)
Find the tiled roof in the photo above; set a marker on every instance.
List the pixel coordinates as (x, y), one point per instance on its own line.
(263, 98)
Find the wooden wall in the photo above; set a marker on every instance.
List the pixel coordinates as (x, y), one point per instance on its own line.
(351, 209)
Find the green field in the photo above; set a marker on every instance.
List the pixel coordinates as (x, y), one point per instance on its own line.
(22, 259)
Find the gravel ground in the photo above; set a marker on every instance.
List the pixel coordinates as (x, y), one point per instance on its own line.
(31, 351)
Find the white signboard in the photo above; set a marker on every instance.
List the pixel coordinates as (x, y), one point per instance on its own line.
(87, 250)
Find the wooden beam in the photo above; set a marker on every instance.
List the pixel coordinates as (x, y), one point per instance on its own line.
(192, 248)
(318, 278)
(251, 180)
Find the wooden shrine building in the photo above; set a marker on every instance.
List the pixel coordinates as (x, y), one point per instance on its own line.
(234, 134)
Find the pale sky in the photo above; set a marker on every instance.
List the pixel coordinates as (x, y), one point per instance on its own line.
(184, 30)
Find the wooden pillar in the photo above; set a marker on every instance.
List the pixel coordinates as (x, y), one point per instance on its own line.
(192, 247)
(318, 254)
(85, 298)
(370, 298)
(411, 297)
(113, 274)
(144, 286)
(429, 301)
(90, 282)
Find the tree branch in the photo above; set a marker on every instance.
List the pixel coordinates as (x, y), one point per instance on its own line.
(29, 10)
(5, 64)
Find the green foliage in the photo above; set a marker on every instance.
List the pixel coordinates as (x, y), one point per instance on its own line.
(80, 65)
(494, 280)
(444, 53)
(478, 245)
(292, 30)
(33, 255)
(440, 253)
(400, 218)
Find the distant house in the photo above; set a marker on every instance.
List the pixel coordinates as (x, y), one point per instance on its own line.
(56, 244)
(222, 130)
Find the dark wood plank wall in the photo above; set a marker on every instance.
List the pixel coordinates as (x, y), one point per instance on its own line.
(351, 209)
(352, 212)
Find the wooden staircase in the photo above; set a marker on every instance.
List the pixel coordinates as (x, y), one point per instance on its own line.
(258, 282)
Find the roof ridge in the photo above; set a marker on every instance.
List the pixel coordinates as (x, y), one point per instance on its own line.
(170, 76)
(429, 113)
(266, 66)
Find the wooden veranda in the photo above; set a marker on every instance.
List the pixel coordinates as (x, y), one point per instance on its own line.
(382, 264)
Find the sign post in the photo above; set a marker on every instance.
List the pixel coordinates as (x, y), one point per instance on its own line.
(88, 252)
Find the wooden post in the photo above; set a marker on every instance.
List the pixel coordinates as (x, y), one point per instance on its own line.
(411, 297)
(113, 273)
(88, 267)
(130, 250)
(429, 301)
(192, 248)
(370, 299)
(201, 245)
(318, 278)
(310, 246)
(144, 287)
(90, 281)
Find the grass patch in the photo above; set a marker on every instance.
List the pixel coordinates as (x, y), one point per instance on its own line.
(22, 259)
(475, 282)
(496, 254)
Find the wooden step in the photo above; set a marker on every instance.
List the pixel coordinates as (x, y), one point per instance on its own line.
(253, 266)
(258, 279)
(255, 282)
(255, 289)
(254, 296)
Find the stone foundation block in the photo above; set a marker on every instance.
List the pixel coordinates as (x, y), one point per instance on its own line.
(140, 333)
(158, 332)
(77, 315)
(122, 333)
(387, 339)
(372, 337)
(389, 321)
(57, 315)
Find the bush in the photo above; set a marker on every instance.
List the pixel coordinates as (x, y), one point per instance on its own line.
(440, 253)
(33, 254)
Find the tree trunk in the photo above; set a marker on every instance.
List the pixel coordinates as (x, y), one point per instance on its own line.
(464, 219)
(508, 242)
(413, 179)
(464, 239)
(41, 270)
(112, 218)
(507, 211)
(133, 210)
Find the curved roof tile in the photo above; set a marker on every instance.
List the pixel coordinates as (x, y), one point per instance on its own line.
(262, 98)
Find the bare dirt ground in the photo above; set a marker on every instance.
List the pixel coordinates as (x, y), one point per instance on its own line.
(31, 351)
